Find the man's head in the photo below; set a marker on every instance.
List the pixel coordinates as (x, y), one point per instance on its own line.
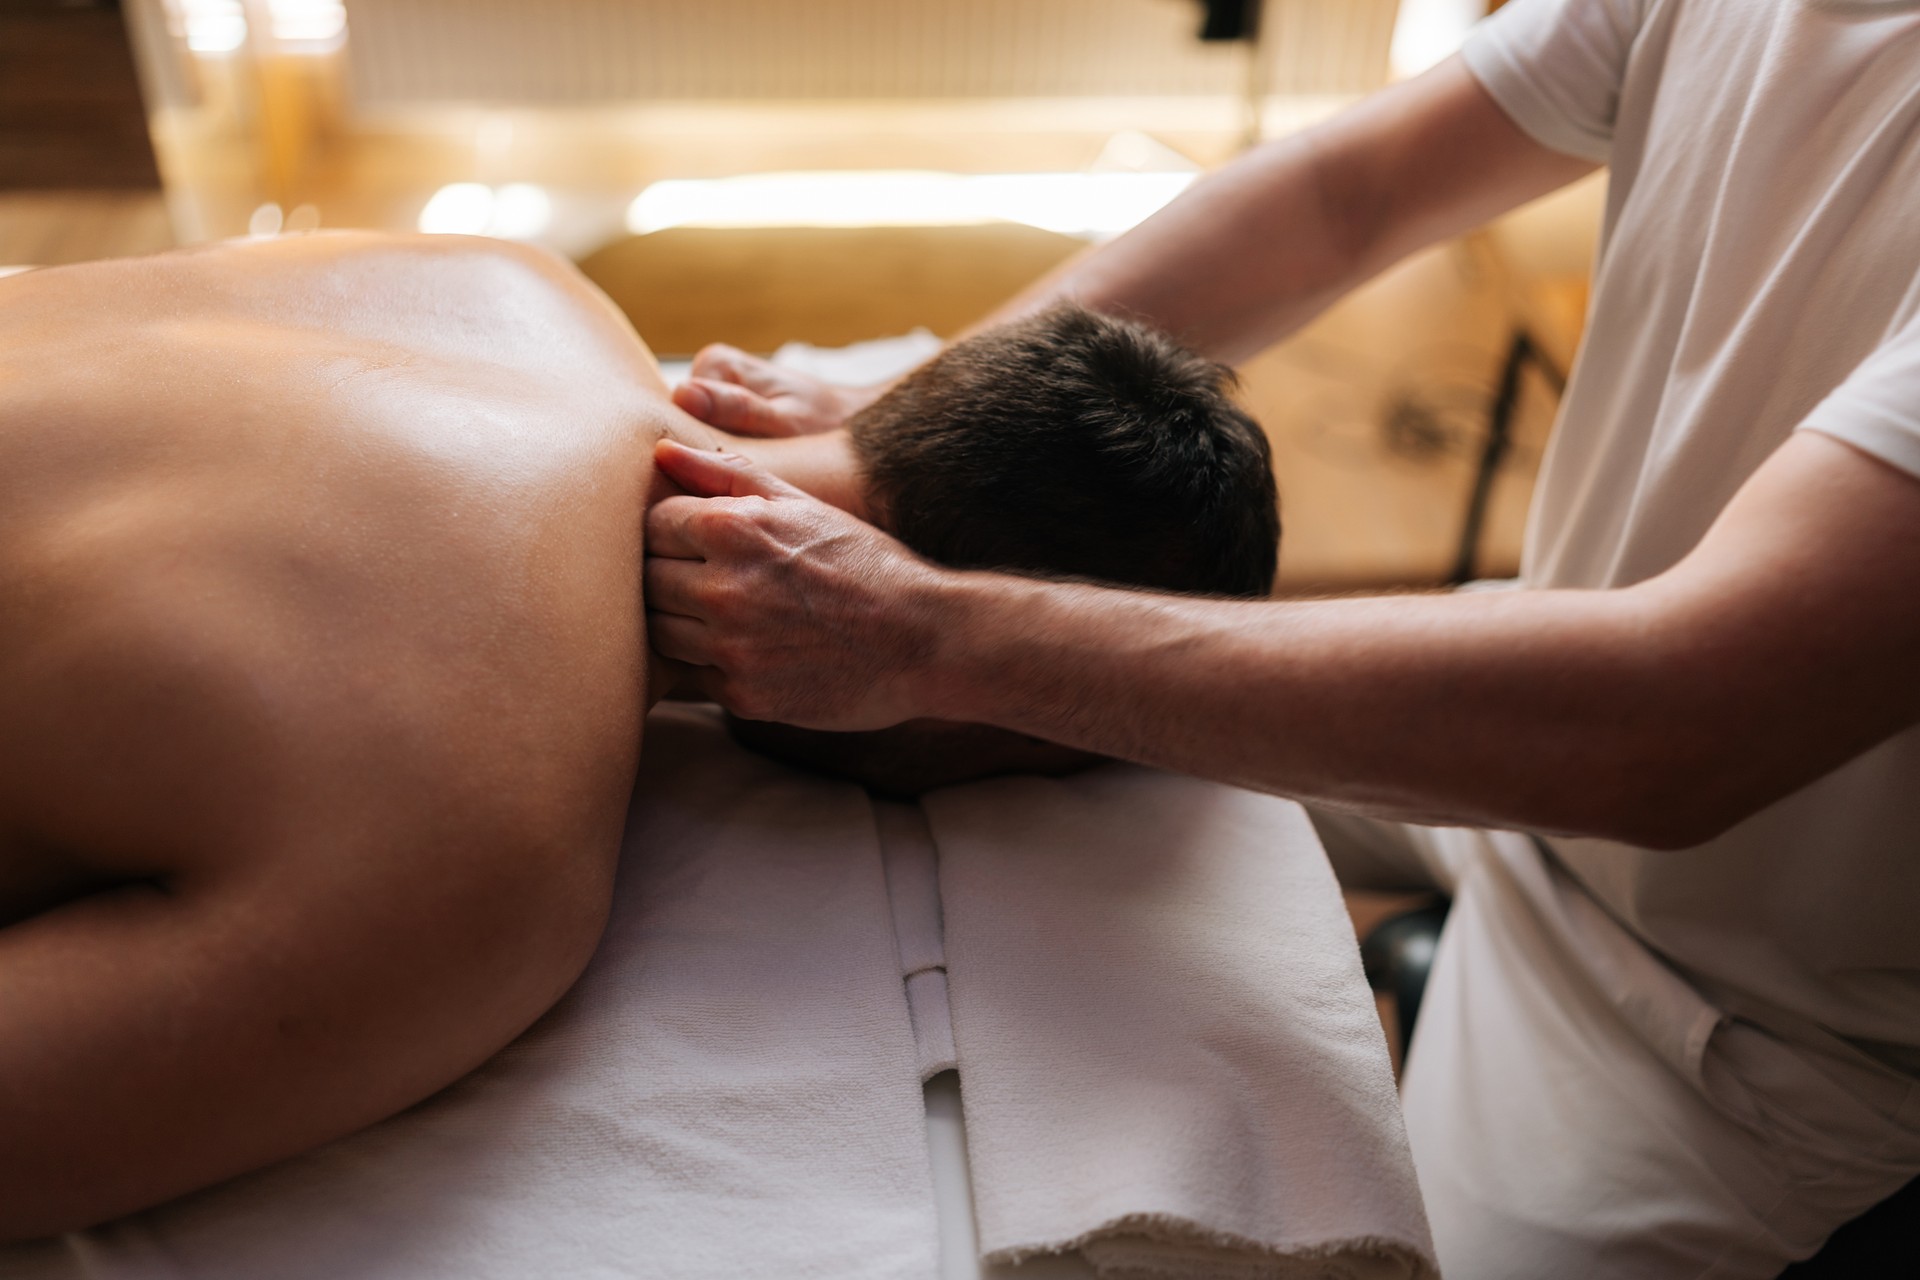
(1066, 443)
(1076, 444)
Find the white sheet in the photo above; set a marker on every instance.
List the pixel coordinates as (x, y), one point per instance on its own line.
(733, 1090)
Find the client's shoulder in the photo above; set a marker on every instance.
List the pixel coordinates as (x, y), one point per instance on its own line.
(487, 311)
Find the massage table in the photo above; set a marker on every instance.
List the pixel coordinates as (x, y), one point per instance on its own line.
(1148, 984)
(1168, 1061)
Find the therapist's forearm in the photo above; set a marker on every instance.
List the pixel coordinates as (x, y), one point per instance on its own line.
(1659, 713)
(1561, 712)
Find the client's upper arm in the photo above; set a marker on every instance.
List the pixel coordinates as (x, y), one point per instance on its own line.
(325, 904)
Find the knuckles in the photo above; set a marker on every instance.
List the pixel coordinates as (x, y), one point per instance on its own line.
(727, 604)
(744, 702)
(716, 359)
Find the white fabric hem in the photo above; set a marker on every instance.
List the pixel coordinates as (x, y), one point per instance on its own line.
(1526, 103)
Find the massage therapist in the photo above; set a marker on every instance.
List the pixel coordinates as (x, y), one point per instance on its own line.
(1673, 783)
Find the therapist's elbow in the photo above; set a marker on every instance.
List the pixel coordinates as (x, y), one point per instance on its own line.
(1669, 801)
(1644, 826)
(1669, 830)
(1663, 826)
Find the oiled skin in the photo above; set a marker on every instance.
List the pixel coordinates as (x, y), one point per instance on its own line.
(321, 638)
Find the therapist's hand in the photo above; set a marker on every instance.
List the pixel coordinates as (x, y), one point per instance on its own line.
(749, 396)
(782, 607)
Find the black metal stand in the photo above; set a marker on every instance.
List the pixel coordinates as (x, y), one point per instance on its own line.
(1397, 957)
(1521, 352)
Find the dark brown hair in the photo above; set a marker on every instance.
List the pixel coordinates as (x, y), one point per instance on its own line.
(1072, 443)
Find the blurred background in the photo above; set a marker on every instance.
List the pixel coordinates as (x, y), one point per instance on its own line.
(828, 171)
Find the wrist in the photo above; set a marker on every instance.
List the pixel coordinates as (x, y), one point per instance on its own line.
(963, 613)
(821, 464)
(936, 603)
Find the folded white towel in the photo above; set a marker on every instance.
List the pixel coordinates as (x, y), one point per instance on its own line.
(730, 1091)
(862, 363)
(859, 365)
(1169, 1059)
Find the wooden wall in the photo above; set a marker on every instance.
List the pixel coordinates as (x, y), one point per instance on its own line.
(70, 112)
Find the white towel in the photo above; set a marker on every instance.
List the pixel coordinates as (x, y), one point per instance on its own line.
(859, 365)
(1169, 1058)
(730, 1091)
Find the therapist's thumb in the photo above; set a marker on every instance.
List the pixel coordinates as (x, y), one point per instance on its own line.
(705, 473)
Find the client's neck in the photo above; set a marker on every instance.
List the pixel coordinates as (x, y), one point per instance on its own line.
(823, 465)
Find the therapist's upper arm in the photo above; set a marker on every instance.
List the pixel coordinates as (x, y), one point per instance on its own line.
(1433, 158)
(1794, 626)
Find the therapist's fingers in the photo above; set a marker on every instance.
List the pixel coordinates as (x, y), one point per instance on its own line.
(752, 396)
(705, 473)
(687, 528)
(723, 363)
(693, 397)
(730, 366)
(800, 612)
(731, 408)
(685, 640)
(673, 586)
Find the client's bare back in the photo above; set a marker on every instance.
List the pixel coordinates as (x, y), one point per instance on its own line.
(322, 673)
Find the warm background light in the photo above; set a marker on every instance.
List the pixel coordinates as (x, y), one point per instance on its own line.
(1078, 204)
(760, 171)
(1429, 31)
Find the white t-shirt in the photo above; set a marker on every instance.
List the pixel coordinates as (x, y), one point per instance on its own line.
(1758, 273)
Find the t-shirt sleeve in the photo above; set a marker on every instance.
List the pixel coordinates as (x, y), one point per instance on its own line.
(1877, 409)
(1556, 66)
